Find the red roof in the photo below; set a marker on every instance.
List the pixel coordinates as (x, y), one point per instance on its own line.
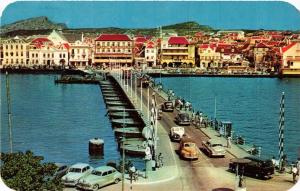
(150, 44)
(140, 40)
(260, 45)
(66, 45)
(285, 48)
(178, 40)
(113, 37)
(39, 42)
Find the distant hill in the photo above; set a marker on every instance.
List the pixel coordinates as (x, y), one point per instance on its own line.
(32, 24)
(42, 25)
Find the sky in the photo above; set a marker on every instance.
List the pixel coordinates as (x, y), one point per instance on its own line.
(273, 15)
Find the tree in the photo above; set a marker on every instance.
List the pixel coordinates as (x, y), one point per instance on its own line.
(26, 172)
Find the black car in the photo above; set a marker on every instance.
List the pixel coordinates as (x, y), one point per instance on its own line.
(182, 119)
(168, 106)
(258, 168)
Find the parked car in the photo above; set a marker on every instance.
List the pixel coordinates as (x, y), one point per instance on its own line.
(76, 172)
(176, 133)
(182, 119)
(259, 168)
(60, 171)
(188, 149)
(168, 106)
(214, 148)
(99, 177)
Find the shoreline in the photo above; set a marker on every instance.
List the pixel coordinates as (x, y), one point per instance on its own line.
(152, 74)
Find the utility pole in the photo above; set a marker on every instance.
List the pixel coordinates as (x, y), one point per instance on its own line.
(9, 113)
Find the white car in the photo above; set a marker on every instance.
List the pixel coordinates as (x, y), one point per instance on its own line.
(176, 133)
(76, 172)
(214, 148)
(99, 177)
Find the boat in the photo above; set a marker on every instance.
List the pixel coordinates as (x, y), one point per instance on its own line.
(116, 103)
(127, 121)
(113, 99)
(132, 132)
(116, 108)
(133, 146)
(119, 114)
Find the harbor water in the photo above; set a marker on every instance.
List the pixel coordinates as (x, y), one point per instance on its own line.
(56, 120)
(251, 104)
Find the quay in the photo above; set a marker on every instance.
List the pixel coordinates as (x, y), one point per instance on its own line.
(175, 174)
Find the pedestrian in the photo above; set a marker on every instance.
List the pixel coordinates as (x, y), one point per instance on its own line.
(294, 173)
(229, 142)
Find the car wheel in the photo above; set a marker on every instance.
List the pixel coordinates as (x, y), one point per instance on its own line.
(117, 180)
(96, 187)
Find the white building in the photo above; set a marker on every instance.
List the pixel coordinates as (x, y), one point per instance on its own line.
(151, 54)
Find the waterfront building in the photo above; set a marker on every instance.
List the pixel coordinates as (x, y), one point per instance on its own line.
(139, 51)
(151, 54)
(209, 58)
(15, 51)
(259, 51)
(43, 51)
(176, 51)
(229, 54)
(113, 48)
(80, 51)
(291, 59)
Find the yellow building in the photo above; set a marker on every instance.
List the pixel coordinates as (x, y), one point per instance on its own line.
(291, 59)
(113, 49)
(177, 52)
(15, 51)
(209, 58)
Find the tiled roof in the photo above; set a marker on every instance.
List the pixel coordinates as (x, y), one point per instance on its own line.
(140, 40)
(285, 48)
(113, 37)
(40, 40)
(261, 45)
(180, 40)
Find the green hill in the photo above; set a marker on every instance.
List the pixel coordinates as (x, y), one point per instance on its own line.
(32, 24)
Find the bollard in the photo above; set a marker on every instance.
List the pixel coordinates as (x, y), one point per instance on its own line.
(96, 147)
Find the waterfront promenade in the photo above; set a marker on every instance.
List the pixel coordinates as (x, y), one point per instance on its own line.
(205, 173)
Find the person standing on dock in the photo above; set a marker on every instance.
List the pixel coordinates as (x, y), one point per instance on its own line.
(294, 173)
(229, 142)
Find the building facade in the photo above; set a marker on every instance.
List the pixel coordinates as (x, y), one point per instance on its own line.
(113, 49)
(291, 59)
(15, 51)
(151, 54)
(80, 54)
(176, 51)
(209, 58)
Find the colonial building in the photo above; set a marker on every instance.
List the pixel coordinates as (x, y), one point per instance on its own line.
(259, 51)
(113, 49)
(291, 59)
(177, 52)
(151, 53)
(208, 56)
(42, 51)
(15, 51)
(80, 54)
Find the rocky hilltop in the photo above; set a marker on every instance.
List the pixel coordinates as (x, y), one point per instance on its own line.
(32, 24)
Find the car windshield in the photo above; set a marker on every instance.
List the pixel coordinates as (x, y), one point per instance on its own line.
(216, 144)
(97, 173)
(184, 117)
(169, 104)
(75, 170)
(267, 163)
(189, 144)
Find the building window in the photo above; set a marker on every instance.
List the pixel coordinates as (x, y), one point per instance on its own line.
(59, 55)
(21, 53)
(6, 46)
(21, 46)
(16, 46)
(6, 53)
(36, 55)
(52, 55)
(48, 55)
(44, 55)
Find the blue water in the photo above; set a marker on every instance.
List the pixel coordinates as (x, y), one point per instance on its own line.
(55, 120)
(251, 104)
